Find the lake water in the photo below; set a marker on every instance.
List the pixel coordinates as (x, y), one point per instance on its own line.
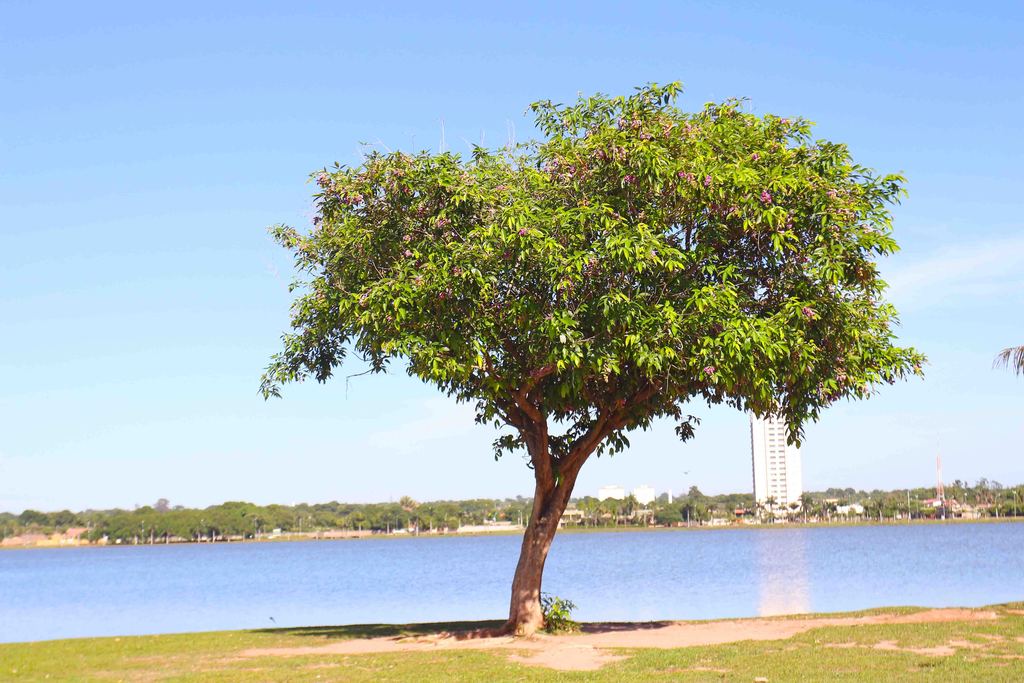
(636, 575)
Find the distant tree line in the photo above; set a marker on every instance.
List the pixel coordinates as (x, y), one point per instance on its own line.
(988, 497)
(161, 522)
(240, 520)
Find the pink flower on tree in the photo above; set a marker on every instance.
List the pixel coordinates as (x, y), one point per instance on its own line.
(808, 312)
(523, 232)
(629, 179)
(710, 370)
(766, 198)
(408, 253)
(755, 156)
(323, 180)
(707, 181)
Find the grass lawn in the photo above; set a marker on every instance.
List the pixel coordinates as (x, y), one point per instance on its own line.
(985, 650)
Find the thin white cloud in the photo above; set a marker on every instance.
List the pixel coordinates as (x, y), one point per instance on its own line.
(960, 272)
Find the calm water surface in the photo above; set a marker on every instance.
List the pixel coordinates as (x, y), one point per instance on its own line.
(695, 574)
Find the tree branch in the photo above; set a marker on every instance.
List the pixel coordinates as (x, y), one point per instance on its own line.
(535, 376)
(606, 423)
(536, 436)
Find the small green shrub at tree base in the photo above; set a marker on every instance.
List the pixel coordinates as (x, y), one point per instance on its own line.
(637, 260)
(558, 614)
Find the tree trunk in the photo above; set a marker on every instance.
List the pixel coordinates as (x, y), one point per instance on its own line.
(524, 616)
(549, 502)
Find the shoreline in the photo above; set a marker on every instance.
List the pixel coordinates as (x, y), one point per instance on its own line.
(286, 538)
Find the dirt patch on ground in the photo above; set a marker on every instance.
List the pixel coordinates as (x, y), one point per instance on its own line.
(587, 651)
(568, 657)
(688, 634)
(937, 651)
(946, 650)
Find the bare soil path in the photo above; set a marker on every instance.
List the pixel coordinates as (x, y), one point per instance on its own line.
(589, 650)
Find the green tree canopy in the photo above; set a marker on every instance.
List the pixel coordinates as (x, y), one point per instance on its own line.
(636, 259)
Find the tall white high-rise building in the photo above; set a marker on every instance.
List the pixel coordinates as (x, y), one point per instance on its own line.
(777, 468)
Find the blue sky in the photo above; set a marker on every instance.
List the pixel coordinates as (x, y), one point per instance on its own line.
(146, 148)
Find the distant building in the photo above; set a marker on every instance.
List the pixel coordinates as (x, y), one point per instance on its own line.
(777, 467)
(572, 515)
(644, 494)
(616, 492)
(488, 528)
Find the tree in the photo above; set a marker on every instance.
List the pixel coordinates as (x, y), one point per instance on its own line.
(591, 507)
(1012, 358)
(669, 515)
(34, 518)
(574, 289)
(63, 519)
(806, 503)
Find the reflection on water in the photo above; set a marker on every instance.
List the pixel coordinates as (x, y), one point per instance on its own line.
(781, 570)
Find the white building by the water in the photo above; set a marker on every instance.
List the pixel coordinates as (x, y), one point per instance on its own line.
(777, 468)
(616, 492)
(644, 494)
